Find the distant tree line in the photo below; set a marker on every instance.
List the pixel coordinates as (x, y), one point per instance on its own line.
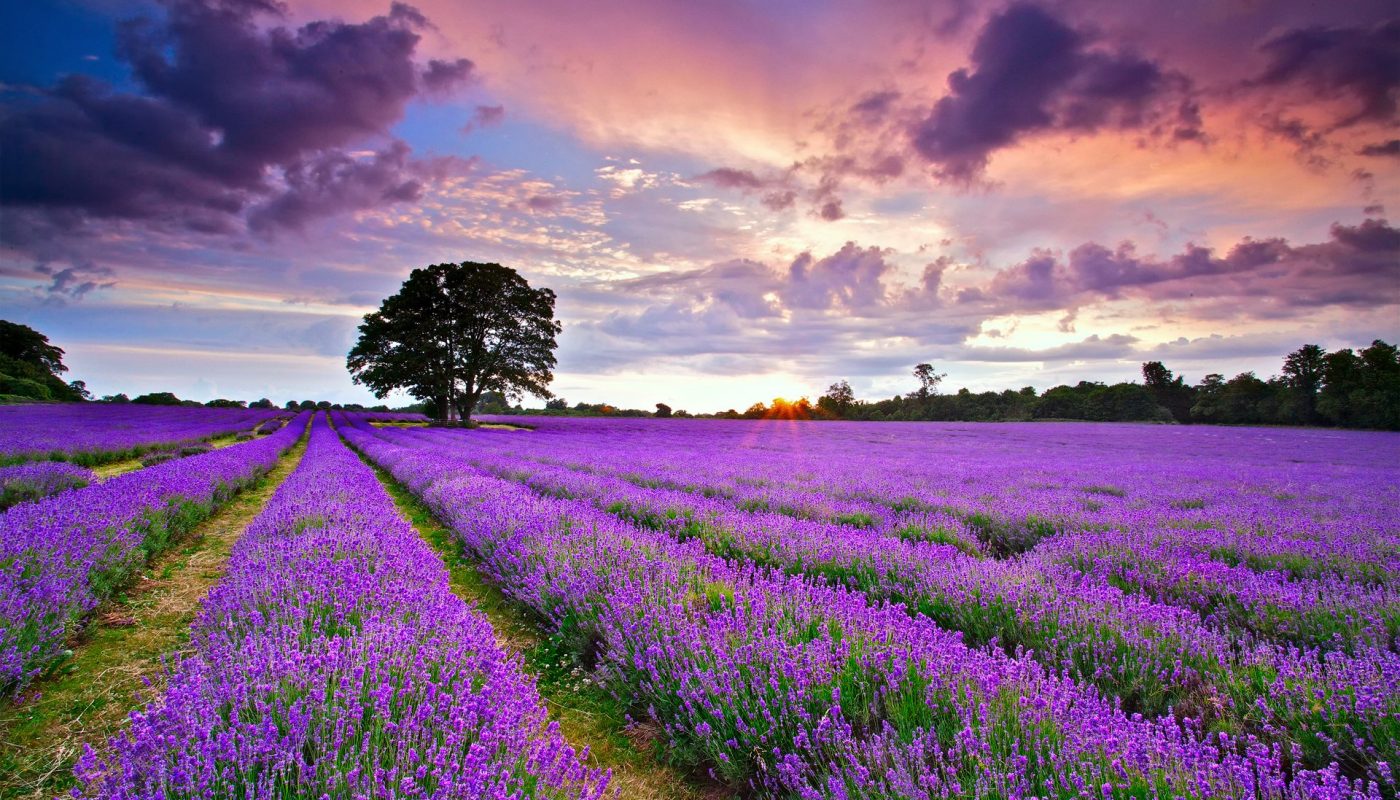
(494, 403)
(169, 399)
(1343, 388)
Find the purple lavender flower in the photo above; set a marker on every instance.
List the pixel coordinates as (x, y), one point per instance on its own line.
(334, 660)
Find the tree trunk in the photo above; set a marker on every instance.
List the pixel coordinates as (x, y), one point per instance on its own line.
(469, 405)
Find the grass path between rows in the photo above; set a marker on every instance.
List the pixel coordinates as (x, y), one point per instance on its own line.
(118, 661)
(114, 468)
(586, 713)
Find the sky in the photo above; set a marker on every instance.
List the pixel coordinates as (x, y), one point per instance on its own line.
(733, 200)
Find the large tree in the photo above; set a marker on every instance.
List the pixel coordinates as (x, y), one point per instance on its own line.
(1167, 390)
(928, 380)
(838, 399)
(1303, 371)
(455, 331)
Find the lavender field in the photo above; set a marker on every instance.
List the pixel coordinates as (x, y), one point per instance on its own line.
(773, 608)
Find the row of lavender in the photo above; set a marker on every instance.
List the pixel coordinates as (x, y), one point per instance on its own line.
(793, 687)
(95, 433)
(1226, 654)
(1315, 568)
(1326, 499)
(60, 556)
(23, 482)
(333, 660)
(1314, 607)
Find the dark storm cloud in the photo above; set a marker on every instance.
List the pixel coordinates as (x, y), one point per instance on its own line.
(1359, 266)
(1031, 73)
(1361, 64)
(334, 182)
(237, 123)
(1390, 148)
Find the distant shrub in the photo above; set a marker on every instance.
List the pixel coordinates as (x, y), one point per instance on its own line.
(157, 399)
(157, 457)
(24, 387)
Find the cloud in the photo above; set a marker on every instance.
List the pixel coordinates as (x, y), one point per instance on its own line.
(831, 210)
(1360, 64)
(1390, 148)
(75, 281)
(1359, 266)
(235, 120)
(1094, 347)
(851, 278)
(335, 182)
(730, 178)
(486, 117)
(1032, 73)
(875, 105)
(444, 76)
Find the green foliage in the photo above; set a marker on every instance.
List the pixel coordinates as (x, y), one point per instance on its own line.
(1343, 388)
(24, 344)
(24, 387)
(456, 331)
(157, 399)
(837, 401)
(1168, 391)
(30, 366)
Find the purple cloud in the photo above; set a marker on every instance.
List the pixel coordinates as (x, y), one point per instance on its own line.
(335, 182)
(875, 105)
(237, 121)
(1359, 63)
(1359, 266)
(852, 278)
(1390, 148)
(444, 76)
(1032, 73)
(730, 178)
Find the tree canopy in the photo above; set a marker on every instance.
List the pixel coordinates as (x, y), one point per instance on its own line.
(456, 331)
(30, 366)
